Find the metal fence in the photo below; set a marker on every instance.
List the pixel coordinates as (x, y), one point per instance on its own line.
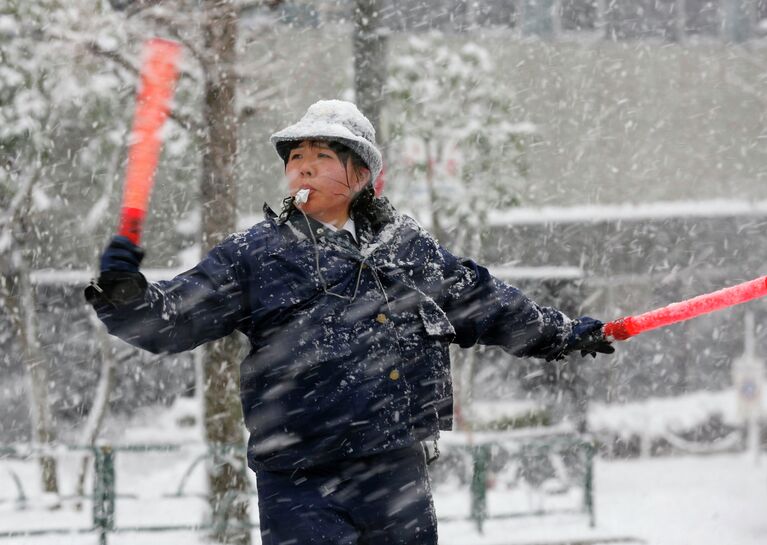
(477, 460)
(531, 459)
(103, 496)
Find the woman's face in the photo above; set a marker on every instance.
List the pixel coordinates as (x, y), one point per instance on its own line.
(314, 166)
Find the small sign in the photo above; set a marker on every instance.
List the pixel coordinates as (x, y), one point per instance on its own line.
(748, 379)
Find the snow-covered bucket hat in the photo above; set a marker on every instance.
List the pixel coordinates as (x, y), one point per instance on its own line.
(336, 121)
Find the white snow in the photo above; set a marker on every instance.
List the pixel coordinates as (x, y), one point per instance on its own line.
(79, 277)
(189, 223)
(712, 500)
(190, 257)
(41, 200)
(705, 500)
(510, 272)
(6, 240)
(628, 212)
(96, 212)
(8, 26)
(702, 500)
(657, 417)
(605, 212)
(484, 411)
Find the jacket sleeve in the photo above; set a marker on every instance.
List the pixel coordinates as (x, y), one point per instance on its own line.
(197, 306)
(485, 310)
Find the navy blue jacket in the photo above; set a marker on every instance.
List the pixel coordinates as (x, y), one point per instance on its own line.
(349, 344)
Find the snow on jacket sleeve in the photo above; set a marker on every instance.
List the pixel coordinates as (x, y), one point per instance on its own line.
(485, 310)
(197, 306)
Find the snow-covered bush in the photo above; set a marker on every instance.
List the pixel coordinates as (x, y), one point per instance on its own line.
(457, 143)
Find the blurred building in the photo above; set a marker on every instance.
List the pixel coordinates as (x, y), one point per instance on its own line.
(634, 259)
(672, 20)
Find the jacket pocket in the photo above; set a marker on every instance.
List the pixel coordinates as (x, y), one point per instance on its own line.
(435, 321)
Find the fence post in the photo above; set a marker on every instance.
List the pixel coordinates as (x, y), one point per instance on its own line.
(588, 488)
(104, 492)
(481, 455)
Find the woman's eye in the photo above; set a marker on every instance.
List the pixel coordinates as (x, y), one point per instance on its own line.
(296, 156)
(325, 155)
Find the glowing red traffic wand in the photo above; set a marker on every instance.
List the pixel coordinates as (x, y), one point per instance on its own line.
(623, 328)
(158, 78)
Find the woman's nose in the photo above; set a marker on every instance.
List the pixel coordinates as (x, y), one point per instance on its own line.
(306, 168)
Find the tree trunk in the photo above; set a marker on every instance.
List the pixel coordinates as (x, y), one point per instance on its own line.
(739, 17)
(679, 29)
(369, 45)
(434, 198)
(20, 302)
(227, 482)
(100, 405)
(227, 494)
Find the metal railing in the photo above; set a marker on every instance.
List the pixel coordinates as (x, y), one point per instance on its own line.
(529, 455)
(482, 452)
(104, 496)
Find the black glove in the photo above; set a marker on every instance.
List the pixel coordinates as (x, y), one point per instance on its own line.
(120, 281)
(587, 337)
(121, 255)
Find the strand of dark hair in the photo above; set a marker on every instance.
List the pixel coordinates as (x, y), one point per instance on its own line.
(367, 207)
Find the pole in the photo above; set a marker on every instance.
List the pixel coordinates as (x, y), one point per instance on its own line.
(104, 492)
(755, 371)
(481, 458)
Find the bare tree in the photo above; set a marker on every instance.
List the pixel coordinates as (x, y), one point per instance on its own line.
(100, 405)
(218, 21)
(223, 416)
(447, 122)
(370, 45)
(227, 483)
(26, 106)
(19, 301)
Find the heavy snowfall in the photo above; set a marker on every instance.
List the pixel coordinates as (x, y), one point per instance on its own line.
(605, 157)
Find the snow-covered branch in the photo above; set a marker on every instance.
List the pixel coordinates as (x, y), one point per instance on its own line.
(172, 26)
(185, 121)
(20, 196)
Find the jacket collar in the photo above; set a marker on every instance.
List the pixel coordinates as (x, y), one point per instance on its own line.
(367, 225)
(309, 227)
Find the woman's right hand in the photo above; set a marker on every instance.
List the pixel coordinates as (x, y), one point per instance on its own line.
(120, 281)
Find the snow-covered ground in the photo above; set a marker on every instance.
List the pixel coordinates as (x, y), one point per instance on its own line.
(714, 500)
(702, 500)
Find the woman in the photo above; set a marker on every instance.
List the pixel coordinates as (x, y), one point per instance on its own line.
(349, 308)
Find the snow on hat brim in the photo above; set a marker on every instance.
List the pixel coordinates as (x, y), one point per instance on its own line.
(314, 127)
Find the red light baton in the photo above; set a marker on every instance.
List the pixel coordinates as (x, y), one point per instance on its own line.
(158, 77)
(623, 328)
